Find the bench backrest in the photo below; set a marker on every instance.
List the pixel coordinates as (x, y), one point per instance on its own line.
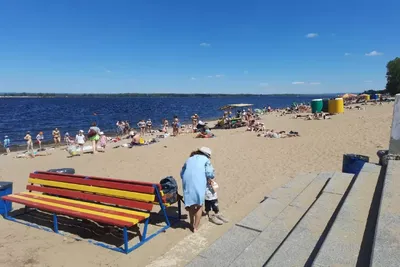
(132, 194)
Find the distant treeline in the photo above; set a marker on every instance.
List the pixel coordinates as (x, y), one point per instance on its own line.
(372, 92)
(52, 95)
(127, 95)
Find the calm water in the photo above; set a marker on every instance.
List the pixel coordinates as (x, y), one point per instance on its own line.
(19, 115)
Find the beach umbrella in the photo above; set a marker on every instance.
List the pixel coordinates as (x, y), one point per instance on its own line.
(349, 96)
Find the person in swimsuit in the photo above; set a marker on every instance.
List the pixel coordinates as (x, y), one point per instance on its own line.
(103, 141)
(142, 125)
(29, 143)
(56, 137)
(149, 125)
(80, 140)
(175, 126)
(165, 124)
(94, 136)
(135, 139)
(195, 120)
(39, 139)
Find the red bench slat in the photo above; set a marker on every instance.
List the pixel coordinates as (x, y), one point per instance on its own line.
(82, 206)
(92, 197)
(103, 179)
(99, 183)
(68, 212)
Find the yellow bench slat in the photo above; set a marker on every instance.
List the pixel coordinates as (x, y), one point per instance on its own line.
(84, 211)
(95, 189)
(89, 204)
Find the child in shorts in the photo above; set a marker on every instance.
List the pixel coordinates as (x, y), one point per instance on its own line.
(103, 141)
(211, 203)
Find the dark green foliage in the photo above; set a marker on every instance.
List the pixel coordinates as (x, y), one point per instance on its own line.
(393, 76)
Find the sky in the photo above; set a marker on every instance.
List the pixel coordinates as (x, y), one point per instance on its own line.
(167, 46)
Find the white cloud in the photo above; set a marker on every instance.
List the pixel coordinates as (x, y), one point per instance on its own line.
(374, 53)
(205, 44)
(315, 83)
(368, 81)
(297, 82)
(216, 76)
(193, 78)
(263, 84)
(347, 54)
(311, 35)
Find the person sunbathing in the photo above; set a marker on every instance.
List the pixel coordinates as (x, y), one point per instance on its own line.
(300, 116)
(135, 139)
(280, 134)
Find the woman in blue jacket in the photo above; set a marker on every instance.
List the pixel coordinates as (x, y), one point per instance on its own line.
(194, 174)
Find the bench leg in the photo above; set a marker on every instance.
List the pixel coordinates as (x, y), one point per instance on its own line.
(162, 205)
(5, 209)
(146, 223)
(126, 240)
(179, 209)
(55, 222)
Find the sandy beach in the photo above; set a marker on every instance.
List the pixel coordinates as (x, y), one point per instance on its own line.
(247, 168)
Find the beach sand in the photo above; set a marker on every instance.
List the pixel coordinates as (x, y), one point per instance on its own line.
(247, 168)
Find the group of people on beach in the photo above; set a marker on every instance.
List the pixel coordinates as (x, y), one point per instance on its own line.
(94, 135)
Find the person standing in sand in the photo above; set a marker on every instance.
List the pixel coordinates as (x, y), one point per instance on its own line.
(195, 120)
(142, 125)
(165, 124)
(80, 140)
(29, 143)
(56, 137)
(103, 141)
(195, 172)
(94, 136)
(149, 126)
(39, 139)
(175, 126)
(7, 144)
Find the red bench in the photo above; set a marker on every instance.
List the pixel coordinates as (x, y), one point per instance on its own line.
(109, 201)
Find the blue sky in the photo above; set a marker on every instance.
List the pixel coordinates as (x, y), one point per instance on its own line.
(196, 46)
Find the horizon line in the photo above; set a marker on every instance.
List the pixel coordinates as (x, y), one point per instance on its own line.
(164, 94)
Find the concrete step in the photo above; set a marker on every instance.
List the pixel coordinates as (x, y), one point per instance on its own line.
(260, 250)
(301, 191)
(387, 238)
(342, 244)
(277, 201)
(297, 248)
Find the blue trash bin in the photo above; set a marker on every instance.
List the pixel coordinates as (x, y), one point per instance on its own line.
(6, 188)
(353, 163)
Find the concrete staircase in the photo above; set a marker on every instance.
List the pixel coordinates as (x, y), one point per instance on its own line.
(387, 238)
(314, 220)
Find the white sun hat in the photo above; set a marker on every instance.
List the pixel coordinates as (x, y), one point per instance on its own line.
(206, 151)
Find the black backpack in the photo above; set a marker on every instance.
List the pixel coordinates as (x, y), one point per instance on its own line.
(170, 188)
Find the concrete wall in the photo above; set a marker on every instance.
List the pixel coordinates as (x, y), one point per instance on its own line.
(394, 147)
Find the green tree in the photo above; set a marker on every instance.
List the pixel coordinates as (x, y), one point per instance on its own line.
(393, 76)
